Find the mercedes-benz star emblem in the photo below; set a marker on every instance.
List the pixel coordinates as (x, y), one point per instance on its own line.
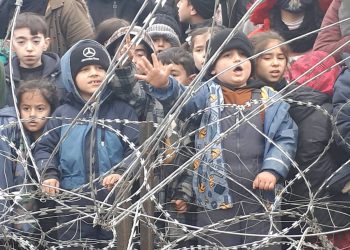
(89, 52)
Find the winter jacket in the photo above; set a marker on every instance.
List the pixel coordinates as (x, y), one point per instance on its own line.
(71, 165)
(51, 71)
(314, 134)
(101, 10)
(341, 108)
(333, 37)
(268, 17)
(278, 126)
(68, 23)
(2, 85)
(235, 10)
(15, 172)
(7, 115)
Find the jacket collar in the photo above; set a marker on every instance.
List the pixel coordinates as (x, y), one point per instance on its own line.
(53, 5)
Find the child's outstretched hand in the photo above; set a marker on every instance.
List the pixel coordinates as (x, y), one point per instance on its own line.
(265, 181)
(110, 180)
(157, 74)
(50, 186)
(180, 206)
(129, 48)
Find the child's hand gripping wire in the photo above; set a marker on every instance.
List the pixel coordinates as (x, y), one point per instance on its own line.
(180, 206)
(50, 186)
(265, 181)
(110, 180)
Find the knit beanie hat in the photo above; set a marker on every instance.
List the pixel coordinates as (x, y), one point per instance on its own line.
(162, 30)
(205, 8)
(169, 21)
(294, 6)
(88, 54)
(238, 41)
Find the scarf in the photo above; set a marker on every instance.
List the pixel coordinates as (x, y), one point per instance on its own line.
(209, 180)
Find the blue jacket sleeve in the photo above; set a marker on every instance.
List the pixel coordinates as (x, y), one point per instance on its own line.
(169, 95)
(283, 134)
(341, 109)
(45, 147)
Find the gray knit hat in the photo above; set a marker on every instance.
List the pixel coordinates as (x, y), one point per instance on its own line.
(162, 30)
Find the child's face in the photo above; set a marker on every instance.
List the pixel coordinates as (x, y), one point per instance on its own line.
(140, 51)
(34, 109)
(179, 73)
(270, 66)
(199, 43)
(29, 48)
(161, 43)
(184, 10)
(89, 79)
(237, 76)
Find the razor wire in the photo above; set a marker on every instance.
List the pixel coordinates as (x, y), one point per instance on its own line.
(168, 228)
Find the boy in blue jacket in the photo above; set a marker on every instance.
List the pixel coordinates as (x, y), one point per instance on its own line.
(237, 173)
(84, 68)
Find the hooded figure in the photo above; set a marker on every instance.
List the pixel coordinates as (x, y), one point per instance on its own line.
(269, 14)
(72, 166)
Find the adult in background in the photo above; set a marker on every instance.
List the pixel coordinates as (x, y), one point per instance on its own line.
(101, 10)
(330, 39)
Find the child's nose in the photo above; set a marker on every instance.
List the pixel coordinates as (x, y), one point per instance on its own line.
(29, 46)
(93, 71)
(275, 61)
(236, 57)
(32, 113)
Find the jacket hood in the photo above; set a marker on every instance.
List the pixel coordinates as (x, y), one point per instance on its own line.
(118, 36)
(66, 77)
(8, 112)
(305, 94)
(50, 61)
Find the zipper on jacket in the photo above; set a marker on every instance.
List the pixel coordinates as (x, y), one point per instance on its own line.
(103, 136)
(115, 6)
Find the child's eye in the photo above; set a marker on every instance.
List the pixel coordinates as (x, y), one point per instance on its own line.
(241, 53)
(25, 108)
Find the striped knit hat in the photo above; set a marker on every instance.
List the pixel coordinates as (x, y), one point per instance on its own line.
(162, 30)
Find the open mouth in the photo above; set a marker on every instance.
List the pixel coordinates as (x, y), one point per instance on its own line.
(238, 69)
(97, 82)
(275, 73)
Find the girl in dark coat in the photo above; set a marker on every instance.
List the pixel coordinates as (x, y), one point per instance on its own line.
(314, 161)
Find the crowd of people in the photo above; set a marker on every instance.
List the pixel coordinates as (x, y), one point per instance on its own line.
(259, 128)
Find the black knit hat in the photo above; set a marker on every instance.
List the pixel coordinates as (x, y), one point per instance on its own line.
(88, 54)
(204, 8)
(238, 41)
